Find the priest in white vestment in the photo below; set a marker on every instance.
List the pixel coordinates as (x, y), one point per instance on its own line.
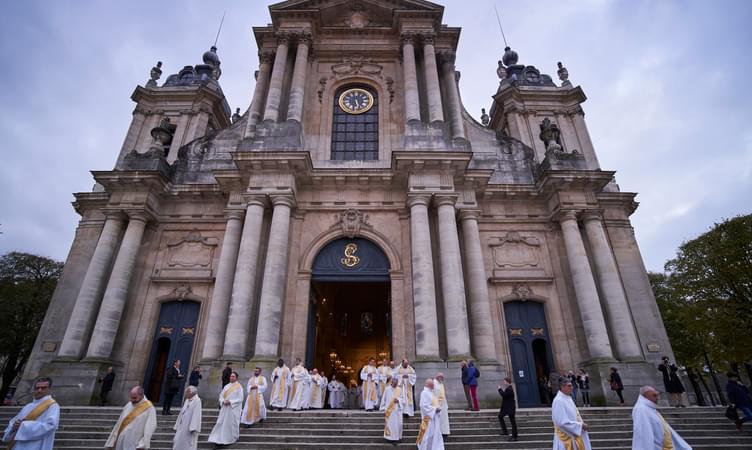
(429, 434)
(336, 393)
(188, 425)
(353, 395)
(392, 403)
(298, 375)
(439, 389)
(281, 382)
(227, 429)
(135, 425)
(385, 374)
(33, 428)
(570, 431)
(305, 402)
(406, 377)
(324, 383)
(255, 408)
(650, 430)
(370, 376)
(315, 401)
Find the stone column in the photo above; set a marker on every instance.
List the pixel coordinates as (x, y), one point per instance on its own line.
(76, 336)
(480, 306)
(619, 314)
(275, 277)
(297, 90)
(584, 286)
(433, 90)
(257, 102)
(412, 102)
(452, 283)
(424, 291)
(244, 283)
(113, 303)
(454, 105)
(220, 303)
(274, 96)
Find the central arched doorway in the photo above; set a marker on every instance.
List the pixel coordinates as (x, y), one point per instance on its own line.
(349, 316)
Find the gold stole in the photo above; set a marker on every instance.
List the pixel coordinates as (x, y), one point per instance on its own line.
(33, 415)
(315, 388)
(668, 443)
(406, 384)
(389, 409)
(283, 381)
(426, 420)
(257, 404)
(382, 384)
(232, 389)
(441, 393)
(135, 412)
(369, 390)
(571, 442)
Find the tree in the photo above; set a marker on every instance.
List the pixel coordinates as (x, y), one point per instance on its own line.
(27, 283)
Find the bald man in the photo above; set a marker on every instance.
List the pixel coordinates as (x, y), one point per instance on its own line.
(650, 429)
(135, 425)
(429, 435)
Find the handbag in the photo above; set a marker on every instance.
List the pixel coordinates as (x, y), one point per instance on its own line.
(614, 386)
(731, 413)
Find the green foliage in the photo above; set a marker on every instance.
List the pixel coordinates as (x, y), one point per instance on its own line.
(705, 296)
(26, 286)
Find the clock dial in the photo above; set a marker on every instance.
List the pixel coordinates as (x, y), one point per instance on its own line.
(356, 101)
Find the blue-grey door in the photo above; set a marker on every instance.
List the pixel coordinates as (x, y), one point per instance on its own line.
(530, 350)
(173, 339)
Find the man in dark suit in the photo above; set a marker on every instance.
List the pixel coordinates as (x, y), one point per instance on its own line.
(172, 386)
(226, 374)
(106, 381)
(508, 407)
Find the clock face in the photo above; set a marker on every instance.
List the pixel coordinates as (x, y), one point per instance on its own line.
(356, 101)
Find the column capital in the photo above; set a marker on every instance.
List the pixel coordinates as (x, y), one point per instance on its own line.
(256, 200)
(592, 214)
(234, 214)
(139, 216)
(408, 38)
(566, 215)
(428, 37)
(469, 214)
(418, 199)
(115, 215)
(445, 199)
(447, 57)
(283, 37)
(283, 199)
(304, 37)
(265, 57)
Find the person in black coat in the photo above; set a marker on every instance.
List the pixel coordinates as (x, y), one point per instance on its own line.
(195, 376)
(671, 381)
(508, 407)
(172, 386)
(738, 395)
(614, 380)
(226, 374)
(106, 381)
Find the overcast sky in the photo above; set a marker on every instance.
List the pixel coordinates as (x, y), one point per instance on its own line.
(667, 83)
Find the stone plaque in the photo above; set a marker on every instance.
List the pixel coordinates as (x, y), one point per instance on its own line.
(654, 348)
(49, 346)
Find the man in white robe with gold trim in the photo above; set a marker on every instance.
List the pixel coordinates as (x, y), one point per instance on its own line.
(429, 433)
(188, 425)
(392, 403)
(406, 377)
(298, 375)
(385, 374)
(135, 425)
(281, 382)
(33, 428)
(650, 430)
(570, 431)
(439, 389)
(227, 429)
(370, 376)
(315, 400)
(255, 408)
(305, 402)
(324, 383)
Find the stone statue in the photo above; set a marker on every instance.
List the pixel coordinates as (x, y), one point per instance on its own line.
(236, 116)
(550, 135)
(162, 137)
(563, 75)
(484, 119)
(501, 71)
(154, 75)
(212, 59)
(510, 57)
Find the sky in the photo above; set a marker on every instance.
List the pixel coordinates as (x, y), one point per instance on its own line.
(668, 103)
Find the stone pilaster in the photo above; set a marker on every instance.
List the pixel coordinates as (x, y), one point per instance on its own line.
(452, 283)
(453, 96)
(433, 89)
(274, 96)
(257, 102)
(297, 90)
(220, 303)
(619, 316)
(76, 336)
(589, 304)
(424, 290)
(113, 303)
(412, 102)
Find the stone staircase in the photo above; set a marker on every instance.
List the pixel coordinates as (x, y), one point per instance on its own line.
(86, 428)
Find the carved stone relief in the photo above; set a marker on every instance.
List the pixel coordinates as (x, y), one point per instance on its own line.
(186, 255)
(351, 222)
(516, 254)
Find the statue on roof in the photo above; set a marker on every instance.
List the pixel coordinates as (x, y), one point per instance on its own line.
(550, 135)
(154, 75)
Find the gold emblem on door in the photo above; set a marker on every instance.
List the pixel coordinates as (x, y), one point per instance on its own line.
(350, 260)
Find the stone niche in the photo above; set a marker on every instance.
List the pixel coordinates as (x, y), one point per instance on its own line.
(185, 255)
(517, 255)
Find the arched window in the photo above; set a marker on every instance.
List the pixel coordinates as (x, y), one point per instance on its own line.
(355, 125)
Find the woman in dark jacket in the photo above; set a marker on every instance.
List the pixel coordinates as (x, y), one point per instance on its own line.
(508, 407)
(472, 380)
(616, 385)
(583, 382)
(671, 381)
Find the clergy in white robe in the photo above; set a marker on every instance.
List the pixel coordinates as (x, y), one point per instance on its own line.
(385, 374)
(281, 382)
(406, 377)
(315, 400)
(353, 395)
(650, 430)
(370, 376)
(429, 434)
(255, 408)
(33, 428)
(392, 403)
(322, 386)
(439, 389)
(188, 425)
(570, 431)
(298, 375)
(227, 429)
(337, 393)
(305, 402)
(135, 425)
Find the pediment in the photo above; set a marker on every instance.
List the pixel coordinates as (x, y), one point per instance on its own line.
(355, 13)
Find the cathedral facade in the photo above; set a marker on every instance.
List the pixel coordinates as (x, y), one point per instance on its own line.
(354, 210)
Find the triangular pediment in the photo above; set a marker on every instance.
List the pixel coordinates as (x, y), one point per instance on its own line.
(356, 13)
(416, 5)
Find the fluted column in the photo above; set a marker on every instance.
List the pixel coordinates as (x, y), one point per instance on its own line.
(424, 290)
(220, 303)
(433, 89)
(589, 304)
(113, 303)
(244, 283)
(480, 306)
(275, 277)
(259, 92)
(619, 315)
(274, 96)
(454, 105)
(77, 333)
(452, 283)
(297, 90)
(412, 102)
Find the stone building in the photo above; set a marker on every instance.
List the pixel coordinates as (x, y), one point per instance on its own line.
(355, 209)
